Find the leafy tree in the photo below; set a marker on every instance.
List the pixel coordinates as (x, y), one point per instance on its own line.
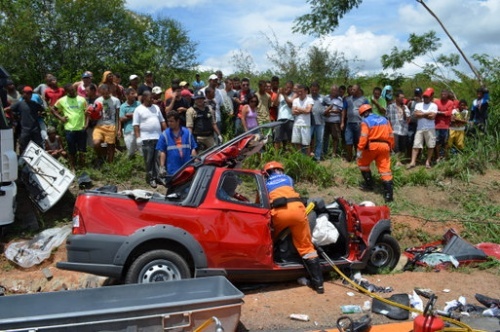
(66, 37)
(243, 62)
(324, 17)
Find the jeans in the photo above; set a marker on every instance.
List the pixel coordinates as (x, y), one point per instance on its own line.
(317, 132)
(151, 160)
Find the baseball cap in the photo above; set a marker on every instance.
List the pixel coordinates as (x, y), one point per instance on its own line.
(132, 77)
(156, 90)
(417, 92)
(186, 93)
(148, 73)
(199, 95)
(213, 77)
(27, 88)
(183, 83)
(87, 74)
(428, 92)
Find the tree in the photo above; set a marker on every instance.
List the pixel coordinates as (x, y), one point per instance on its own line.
(66, 37)
(243, 62)
(324, 17)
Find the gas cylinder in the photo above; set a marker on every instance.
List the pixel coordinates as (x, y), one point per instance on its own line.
(428, 323)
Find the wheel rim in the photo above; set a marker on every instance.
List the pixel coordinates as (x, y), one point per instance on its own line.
(381, 255)
(158, 271)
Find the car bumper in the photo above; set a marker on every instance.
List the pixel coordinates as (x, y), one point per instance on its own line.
(94, 253)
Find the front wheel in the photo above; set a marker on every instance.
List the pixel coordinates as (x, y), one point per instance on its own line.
(384, 255)
(157, 266)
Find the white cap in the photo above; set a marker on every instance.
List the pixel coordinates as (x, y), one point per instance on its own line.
(213, 77)
(133, 77)
(156, 90)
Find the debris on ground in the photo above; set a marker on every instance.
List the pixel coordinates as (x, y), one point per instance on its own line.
(28, 253)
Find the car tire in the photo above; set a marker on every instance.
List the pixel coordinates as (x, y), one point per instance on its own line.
(157, 266)
(384, 255)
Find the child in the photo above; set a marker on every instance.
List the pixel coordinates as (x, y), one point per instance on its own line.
(459, 120)
(53, 144)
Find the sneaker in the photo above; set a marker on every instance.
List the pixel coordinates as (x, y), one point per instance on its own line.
(153, 184)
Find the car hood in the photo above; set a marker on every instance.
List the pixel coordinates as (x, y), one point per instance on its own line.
(230, 154)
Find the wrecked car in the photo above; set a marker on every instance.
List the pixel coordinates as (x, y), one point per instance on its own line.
(199, 229)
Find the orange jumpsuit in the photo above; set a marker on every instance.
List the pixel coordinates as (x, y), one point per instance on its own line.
(292, 215)
(375, 143)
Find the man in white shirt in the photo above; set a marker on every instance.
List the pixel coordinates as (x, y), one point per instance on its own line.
(425, 113)
(301, 109)
(148, 125)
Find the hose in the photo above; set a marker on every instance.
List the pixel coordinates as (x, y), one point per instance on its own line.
(462, 326)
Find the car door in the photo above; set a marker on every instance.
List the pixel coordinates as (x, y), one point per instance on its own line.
(241, 233)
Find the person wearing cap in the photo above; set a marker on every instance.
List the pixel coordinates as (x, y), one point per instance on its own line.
(375, 144)
(148, 125)
(148, 84)
(70, 110)
(27, 113)
(133, 82)
(184, 85)
(115, 89)
(425, 113)
(213, 83)
(197, 83)
(81, 86)
(443, 120)
(156, 96)
(188, 97)
(200, 120)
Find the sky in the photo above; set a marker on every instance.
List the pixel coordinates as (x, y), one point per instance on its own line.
(223, 28)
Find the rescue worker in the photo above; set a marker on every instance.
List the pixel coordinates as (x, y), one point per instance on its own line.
(375, 143)
(288, 211)
(200, 120)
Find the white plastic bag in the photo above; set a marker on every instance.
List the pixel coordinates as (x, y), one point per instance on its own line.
(31, 252)
(324, 232)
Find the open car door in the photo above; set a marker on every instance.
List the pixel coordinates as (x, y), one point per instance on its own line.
(230, 154)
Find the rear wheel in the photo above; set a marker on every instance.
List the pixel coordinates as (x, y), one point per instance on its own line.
(384, 256)
(157, 266)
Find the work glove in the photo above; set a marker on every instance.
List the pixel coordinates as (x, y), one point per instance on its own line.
(162, 172)
(358, 154)
(220, 139)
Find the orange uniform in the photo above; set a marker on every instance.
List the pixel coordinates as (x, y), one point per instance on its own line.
(292, 215)
(375, 143)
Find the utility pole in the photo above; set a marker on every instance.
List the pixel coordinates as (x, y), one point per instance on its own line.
(474, 70)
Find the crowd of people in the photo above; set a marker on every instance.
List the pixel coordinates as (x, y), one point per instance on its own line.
(169, 126)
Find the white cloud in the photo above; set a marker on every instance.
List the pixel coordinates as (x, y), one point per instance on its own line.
(373, 28)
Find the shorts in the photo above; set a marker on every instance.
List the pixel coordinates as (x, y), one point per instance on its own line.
(205, 142)
(105, 133)
(301, 135)
(441, 136)
(284, 132)
(352, 133)
(77, 141)
(427, 135)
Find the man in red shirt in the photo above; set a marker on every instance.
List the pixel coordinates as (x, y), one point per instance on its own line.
(53, 92)
(443, 120)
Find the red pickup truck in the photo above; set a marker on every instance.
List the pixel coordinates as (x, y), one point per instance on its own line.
(204, 227)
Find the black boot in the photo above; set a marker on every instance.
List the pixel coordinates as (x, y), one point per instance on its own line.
(314, 269)
(368, 184)
(388, 193)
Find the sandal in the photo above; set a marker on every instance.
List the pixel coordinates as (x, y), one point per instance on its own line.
(410, 166)
(428, 166)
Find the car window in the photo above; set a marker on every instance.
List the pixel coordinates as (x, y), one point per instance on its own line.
(239, 187)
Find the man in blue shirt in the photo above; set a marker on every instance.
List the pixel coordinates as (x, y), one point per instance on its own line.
(176, 145)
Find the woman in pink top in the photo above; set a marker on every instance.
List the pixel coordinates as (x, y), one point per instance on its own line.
(249, 113)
